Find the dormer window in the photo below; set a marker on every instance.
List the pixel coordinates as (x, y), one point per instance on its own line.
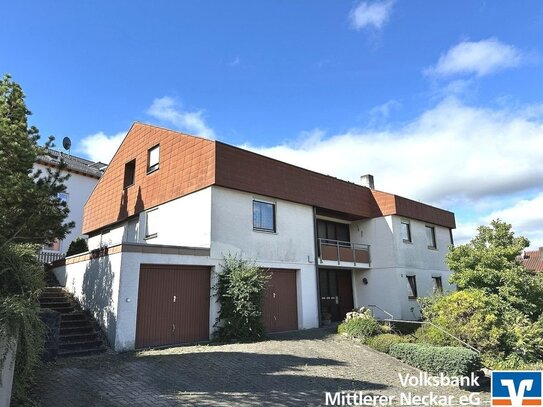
(153, 156)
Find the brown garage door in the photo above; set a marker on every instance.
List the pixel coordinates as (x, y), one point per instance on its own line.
(280, 301)
(173, 305)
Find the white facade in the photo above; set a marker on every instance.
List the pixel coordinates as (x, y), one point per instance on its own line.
(393, 259)
(221, 220)
(215, 218)
(79, 188)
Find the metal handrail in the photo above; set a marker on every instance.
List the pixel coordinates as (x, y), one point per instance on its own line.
(381, 309)
(339, 243)
(391, 319)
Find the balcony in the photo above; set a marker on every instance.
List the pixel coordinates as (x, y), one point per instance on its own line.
(343, 254)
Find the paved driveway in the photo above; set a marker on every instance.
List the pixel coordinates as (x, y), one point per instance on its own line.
(291, 369)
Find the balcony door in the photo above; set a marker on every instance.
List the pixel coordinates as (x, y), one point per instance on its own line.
(333, 230)
(336, 293)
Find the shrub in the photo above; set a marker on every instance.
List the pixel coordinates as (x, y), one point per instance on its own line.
(383, 342)
(240, 291)
(471, 315)
(361, 328)
(77, 246)
(21, 279)
(437, 359)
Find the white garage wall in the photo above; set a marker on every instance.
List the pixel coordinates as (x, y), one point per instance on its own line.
(95, 284)
(292, 246)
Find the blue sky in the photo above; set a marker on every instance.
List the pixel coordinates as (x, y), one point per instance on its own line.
(441, 101)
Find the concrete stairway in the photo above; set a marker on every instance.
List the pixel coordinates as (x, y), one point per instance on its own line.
(79, 332)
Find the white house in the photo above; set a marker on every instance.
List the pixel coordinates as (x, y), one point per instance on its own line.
(84, 176)
(170, 206)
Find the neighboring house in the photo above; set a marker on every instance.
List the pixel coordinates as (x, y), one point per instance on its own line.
(170, 206)
(84, 176)
(533, 260)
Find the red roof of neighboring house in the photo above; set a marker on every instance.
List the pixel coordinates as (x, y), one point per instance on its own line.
(189, 164)
(533, 260)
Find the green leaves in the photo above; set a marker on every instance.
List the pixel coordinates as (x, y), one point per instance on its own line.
(240, 291)
(30, 211)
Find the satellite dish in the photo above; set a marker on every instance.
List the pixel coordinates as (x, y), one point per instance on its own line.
(66, 143)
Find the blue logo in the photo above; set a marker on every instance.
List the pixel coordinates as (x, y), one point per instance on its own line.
(517, 388)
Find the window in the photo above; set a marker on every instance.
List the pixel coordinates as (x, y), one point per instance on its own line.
(129, 173)
(431, 237)
(438, 285)
(263, 216)
(153, 156)
(151, 224)
(406, 231)
(412, 282)
(333, 230)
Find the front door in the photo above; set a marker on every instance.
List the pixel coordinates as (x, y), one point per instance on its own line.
(336, 293)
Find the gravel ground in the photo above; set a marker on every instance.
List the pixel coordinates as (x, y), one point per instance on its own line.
(293, 369)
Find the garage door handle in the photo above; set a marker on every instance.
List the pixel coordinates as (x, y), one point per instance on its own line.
(337, 299)
(173, 328)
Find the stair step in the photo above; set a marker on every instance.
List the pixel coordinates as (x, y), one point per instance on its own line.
(59, 304)
(74, 323)
(84, 329)
(81, 352)
(54, 300)
(75, 316)
(54, 294)
(96, 343)
(54, 289)
(80, 337)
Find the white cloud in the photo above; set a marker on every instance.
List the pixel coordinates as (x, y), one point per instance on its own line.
(100, 146)
(449, 156)
(371, 15)
(385, 109)
(526, 216)
(479, 58)
(166, 109)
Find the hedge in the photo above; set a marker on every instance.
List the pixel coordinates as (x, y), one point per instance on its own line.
(449, 360)
(383, 342)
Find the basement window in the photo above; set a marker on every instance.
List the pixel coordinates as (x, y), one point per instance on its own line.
(153, 156)
(412, 286)
(438, 285)
(129, 173)
(263, 216)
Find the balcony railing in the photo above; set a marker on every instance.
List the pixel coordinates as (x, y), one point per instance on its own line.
(49, 257)
(343, 252)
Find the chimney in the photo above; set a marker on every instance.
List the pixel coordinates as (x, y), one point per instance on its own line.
(367, 181)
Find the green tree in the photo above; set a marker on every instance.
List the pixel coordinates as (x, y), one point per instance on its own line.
(31, 214)
(489, 263)
(30, 209)
(499, 303)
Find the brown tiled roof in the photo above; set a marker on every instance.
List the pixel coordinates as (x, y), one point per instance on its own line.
(188, 164)
(79, 165)
(533, 260)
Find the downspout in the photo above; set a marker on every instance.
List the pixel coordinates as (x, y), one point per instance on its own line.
(315, 240)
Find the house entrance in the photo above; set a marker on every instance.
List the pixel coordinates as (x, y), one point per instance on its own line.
(336, 293)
